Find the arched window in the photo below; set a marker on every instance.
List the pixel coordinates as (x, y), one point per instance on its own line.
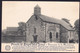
(50, 36)
(56, 34)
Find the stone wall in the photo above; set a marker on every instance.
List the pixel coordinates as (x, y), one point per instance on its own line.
(53, 28)
(63, 35)
(40, 31)
(43, 30)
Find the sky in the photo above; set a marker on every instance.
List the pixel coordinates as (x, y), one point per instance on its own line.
(14, 12)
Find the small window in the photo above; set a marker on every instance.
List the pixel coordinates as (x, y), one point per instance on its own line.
(36, 17)
(34, 30)
(50, 35)
(41, 23)
(56, 34)
(35, 10)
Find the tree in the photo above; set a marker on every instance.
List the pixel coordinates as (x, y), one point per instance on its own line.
(77, 25)
(21, 28)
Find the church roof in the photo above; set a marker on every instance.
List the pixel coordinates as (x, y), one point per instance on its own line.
(54, 20)
(37, 6)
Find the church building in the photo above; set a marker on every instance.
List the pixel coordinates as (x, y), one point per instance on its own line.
(41, 28)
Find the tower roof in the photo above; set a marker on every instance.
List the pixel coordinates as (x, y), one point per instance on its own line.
(37, 6)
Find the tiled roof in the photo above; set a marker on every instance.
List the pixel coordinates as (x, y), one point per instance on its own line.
(54, 20)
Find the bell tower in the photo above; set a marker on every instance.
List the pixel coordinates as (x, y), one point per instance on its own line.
(37, 10)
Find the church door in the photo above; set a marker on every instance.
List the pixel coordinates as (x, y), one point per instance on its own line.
(50, 36)
(35, 38)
